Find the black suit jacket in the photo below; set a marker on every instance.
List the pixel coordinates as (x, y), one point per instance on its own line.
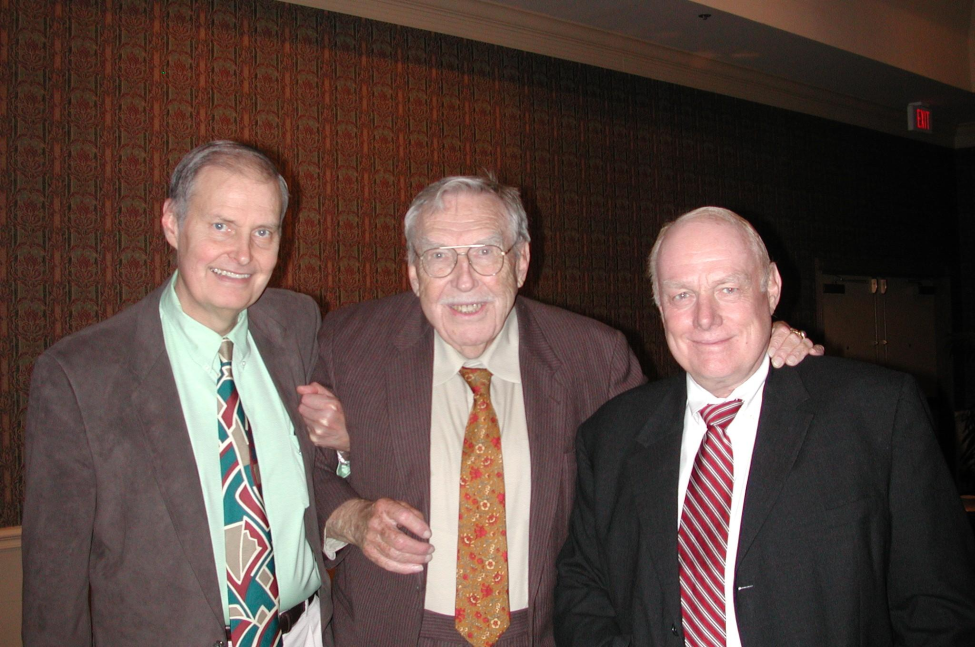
(852, 532)
(377, 357)
(117, 547)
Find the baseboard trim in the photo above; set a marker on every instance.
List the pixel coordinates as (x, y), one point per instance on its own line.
(10, 538)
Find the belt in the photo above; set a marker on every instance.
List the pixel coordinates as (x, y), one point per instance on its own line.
(287, 619)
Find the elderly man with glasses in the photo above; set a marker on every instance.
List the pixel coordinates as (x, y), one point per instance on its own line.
(461, 403)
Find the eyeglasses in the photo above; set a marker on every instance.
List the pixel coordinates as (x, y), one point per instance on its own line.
(486, 260)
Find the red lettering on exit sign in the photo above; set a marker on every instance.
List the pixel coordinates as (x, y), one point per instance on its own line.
(919, 117)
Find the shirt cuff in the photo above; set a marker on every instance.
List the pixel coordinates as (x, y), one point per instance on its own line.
(330, 545)
(344, 467)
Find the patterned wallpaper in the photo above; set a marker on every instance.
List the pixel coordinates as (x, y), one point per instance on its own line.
(100, 98)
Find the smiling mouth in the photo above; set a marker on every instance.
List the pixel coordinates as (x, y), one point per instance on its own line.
(466, 308)
(229, 274)
(709, 342)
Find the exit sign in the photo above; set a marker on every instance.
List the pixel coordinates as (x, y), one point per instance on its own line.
(918, 117)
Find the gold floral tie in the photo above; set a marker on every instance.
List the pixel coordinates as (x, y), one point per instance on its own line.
(482, 612)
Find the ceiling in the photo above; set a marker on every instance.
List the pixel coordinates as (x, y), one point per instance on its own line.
(878, 58)
(856, 61)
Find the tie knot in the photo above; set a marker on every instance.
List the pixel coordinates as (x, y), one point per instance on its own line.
(720, 415)
(226, 352)
(479, 379)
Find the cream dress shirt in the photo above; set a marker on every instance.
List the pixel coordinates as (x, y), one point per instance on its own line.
(451, 406)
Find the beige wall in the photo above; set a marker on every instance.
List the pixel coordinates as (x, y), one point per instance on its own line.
(930, 38)
(11, 577)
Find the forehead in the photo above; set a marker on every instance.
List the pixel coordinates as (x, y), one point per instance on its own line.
(464, 213)
(699, 245)
(219, 182)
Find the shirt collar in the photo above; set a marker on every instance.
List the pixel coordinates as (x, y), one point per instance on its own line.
(500, 357)
(698, 397)
(203, 343)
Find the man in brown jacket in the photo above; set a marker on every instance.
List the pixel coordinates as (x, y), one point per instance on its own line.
(124, 532)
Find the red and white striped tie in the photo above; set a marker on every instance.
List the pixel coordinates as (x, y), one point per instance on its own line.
(703, 536)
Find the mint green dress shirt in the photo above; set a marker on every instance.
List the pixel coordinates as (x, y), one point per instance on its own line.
(192, 350)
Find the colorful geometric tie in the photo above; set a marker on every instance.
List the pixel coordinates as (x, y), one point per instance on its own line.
(703, 536)
(251, 586)
(481, 610)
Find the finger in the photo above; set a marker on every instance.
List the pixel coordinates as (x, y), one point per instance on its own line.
(400, 547)
(391, 565)
(314, 387)
(780, 334)
(410, 518)
(317, 405)
(785, 347)
(803, 348)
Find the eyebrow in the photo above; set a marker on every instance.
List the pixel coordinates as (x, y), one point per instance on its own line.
(427, 244)
(736, 277)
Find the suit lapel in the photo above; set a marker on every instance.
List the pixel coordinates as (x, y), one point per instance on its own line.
(408, 403)
(781, 430)
(652, 471)
(544, 391)
(281, 358)
(172, 460)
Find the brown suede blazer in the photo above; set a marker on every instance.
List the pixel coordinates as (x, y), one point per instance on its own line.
(378, 358)
(116, 544)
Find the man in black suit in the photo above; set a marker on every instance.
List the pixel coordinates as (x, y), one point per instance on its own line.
(814, 510)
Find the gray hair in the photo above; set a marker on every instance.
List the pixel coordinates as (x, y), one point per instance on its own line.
(229, 155)
(431, 200)
(714, 214)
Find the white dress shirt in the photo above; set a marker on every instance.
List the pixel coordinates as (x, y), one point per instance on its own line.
(742, 432)
(451, 407)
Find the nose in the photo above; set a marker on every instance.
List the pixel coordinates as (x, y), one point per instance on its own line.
(706, 315)
(241, 251)
(464, 277)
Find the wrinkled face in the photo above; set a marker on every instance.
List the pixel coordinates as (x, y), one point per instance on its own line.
(227, 246)
(467, 309)
(716, 318)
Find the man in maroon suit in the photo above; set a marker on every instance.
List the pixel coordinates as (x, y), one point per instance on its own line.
(396, 364)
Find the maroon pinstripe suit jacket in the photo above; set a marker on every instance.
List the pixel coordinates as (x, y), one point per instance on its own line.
(377, 357)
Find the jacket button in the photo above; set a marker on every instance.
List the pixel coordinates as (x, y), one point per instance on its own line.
(673, 630)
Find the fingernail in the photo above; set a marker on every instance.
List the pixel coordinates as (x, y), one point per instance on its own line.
(777, 363)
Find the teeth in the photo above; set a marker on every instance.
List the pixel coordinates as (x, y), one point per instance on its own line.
(467, 309)
(232, 275)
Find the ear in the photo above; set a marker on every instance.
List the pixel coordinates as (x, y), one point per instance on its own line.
(414, 279)
(774, 287)
(170, 223)
(521, 262)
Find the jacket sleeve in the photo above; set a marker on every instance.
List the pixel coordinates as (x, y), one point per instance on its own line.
(931, 566)
(584, 612)
(625, 371)
(59, 511)
(331, 490)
